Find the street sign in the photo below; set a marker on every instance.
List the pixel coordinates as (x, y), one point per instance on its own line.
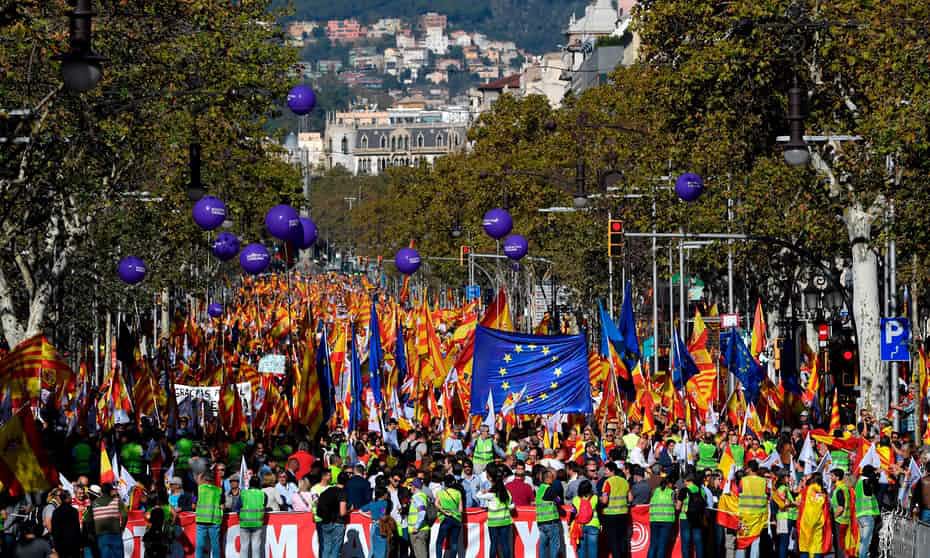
(729, 320)
(472, 292)
(823, 334)
(896, 333)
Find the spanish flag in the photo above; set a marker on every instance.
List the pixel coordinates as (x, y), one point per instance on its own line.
(815, 532)
(22, 370)
(24, 466)
(106, 468)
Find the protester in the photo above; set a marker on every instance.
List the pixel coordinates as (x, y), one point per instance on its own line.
(449, 502)
(252, 520)
(500, 522)
(209, 516)
(333, 510)
(106, 518)
(66, 529)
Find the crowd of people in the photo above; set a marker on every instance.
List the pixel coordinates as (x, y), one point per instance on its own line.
(413, 482)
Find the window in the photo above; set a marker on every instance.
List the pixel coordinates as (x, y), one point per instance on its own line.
(345, 145)
(364, 142)
(394, 144)
(440, 140)
(383, 142)
(421, 141)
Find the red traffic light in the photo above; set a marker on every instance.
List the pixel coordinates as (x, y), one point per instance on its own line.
(466, 249)
(848, 355)
(616, 226)
(823, 332)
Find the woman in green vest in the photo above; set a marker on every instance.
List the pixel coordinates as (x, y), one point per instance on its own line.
(866, 508)
(252, 520)
(707, 453)
(500, 522)
(591, 530)
(662, 508)
(786, 513)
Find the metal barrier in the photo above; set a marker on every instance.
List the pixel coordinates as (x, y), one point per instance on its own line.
(902, 537)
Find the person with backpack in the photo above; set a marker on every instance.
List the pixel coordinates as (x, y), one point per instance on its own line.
(449, 504)
(252, 520)
(383, 528)
(333, 511)
(586, 526)
(693, 516)
(615, 497)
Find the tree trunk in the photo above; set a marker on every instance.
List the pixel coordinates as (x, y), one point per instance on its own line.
(873, 381)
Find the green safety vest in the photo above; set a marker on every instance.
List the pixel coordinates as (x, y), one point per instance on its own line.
(595, 521)
(865, 505)
(334, 471)
(131, 456)
(843, 518)
(706, 453)
(316, 490)
(418, 499)
(252, 514)
(617, 501)
(545, 509)
(449, 501)
(752, 498)
(234, 454)
(768, 446)
(81, 455)
(484, 451)
(182, 454)
(693, 489)
(739, 455)
(499, 513)
(840, 460)
(208, 505)
(661, 506)
(789, 514)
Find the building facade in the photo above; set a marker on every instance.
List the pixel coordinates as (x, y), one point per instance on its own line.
(344, 30)
(370, 142)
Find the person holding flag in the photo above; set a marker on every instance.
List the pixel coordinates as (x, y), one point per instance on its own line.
(753, 511)
(815, 529)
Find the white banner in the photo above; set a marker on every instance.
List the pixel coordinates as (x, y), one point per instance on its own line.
(211, 396)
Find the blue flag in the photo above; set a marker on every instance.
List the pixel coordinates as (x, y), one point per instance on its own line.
(609, 333)
(790, 376)
(628, 329)
(683, 366)
(551, 372)
(325, 373)
(400, 355)
(355, 408)
(743, 366)
(375, 354)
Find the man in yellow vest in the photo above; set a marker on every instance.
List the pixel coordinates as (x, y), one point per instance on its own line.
(252, 520)
(615, 499)
(417, 521)
(547, 514)
(753, 511)
(483, 449)
(209, 516)
(662, 508)
(867, 510)
(449, 503)
(839, 505)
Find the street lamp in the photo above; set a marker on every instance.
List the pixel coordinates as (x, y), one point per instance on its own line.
(796, 152)
(81, 68)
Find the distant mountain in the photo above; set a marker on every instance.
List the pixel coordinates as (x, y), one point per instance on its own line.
(535, 25)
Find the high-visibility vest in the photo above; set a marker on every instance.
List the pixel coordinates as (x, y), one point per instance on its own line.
(499, 512)
(182, 454)
(706, 453)
(662, 506)
(131, 456)
(418, 499)
(789, 514)
(617, 500)
(739, 455)
(81, 455)
(252, 514)
(545, 509)
(449, 501)
(752, 499)
(843, 518)
(692, 489)
(208, 505)
(595, 521)
(316, 490)
(484, 451)
(840, 460)
(865, 505)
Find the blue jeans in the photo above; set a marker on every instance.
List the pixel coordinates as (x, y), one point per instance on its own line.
(331, 537)
(587, 548)
(207, 534)
(752, 551)
(550, 539)
(378, 543)
(691, 536)
(449, 530)
(925, 516)
(501, 541)
(661, 539)
(866, 528)
(111, 545)
(781, 545)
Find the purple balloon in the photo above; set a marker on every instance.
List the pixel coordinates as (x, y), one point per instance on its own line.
(689, 186)
(209, 213)
(307, 235)
(515, 246)
(283, 222)
(254, 258)
(226, 246)
(301, 99)
(215, 310)
(407, 261)
(497, 223)
(131, 270)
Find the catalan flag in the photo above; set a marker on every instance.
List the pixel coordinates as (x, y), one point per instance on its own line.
(835, 423)
(697, 345)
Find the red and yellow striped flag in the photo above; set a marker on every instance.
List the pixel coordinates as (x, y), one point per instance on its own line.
(24, 466)
(835, 423)
(23, 369)
(758, 342)
(697, 345)
(308, 406)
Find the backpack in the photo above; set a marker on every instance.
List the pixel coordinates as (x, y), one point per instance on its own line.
(697, 508)
(432, 512)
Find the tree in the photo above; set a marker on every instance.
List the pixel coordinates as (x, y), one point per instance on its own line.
(104, 172)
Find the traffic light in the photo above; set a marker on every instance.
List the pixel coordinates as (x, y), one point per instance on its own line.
(614, 238)
(844, 360)
(464, 251)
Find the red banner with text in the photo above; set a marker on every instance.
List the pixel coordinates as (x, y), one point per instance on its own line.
(293, 535)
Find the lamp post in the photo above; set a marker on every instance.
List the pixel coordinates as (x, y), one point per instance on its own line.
(797, 153)
(81, 67)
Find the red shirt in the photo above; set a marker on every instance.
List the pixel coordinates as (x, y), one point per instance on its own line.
(521, 492)
(304, 462)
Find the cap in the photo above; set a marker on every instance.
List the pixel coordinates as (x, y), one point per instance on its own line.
(417, 483)
(95, 490)
(176, 481)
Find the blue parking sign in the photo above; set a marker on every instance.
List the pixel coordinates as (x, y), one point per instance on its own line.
(895, 336)
(472, 292)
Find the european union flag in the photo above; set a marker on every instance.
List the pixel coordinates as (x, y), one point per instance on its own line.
(742, 365)
(551, 372)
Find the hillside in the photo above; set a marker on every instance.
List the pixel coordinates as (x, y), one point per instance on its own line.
(535, 25)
